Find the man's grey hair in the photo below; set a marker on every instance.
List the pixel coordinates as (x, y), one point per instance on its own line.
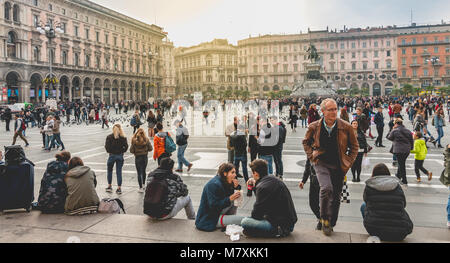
(324, 104)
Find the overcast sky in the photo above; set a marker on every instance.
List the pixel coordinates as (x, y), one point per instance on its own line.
(190, 22)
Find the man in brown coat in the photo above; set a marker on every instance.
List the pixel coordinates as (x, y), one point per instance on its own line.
(326, 144)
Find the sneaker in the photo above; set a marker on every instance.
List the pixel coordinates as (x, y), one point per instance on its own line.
(189, 167)
(419, 180)
(26, 145)
(119, 191)
(319, 225)
(141, 190)
(430, 176)
(109, 189)
(326, 228)
(179, 170)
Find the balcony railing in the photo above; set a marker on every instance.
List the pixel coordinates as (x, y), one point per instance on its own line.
(414, 65)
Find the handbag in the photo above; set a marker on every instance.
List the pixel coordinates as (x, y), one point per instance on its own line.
(111, 206)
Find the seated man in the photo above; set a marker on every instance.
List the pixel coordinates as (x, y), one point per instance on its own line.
(166, 194)
(273, 213)
(384, 211)
(217, 207)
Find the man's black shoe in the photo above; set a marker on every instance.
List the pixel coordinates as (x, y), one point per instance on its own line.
(319, 226)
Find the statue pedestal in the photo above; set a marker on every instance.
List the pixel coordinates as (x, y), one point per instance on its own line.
(315, 85)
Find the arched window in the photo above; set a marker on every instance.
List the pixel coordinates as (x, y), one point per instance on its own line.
(16, 13)
(11, 45)
(7, 11)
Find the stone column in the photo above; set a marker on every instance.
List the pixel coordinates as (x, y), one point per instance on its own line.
(118, 93)
(70, 90)
(58, 91)
(92, 93)
(101, 93)
(43, 92)
(81, 91)
(24, 91)
(110, 94)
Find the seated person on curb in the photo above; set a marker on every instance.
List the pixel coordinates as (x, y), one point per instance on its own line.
(53, 192)
(384, 211)
(166, 194)
(217, 208)
(81, 195)
(274, 212)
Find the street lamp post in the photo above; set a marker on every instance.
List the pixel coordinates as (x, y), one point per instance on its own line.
(434, 61)
(50, 32)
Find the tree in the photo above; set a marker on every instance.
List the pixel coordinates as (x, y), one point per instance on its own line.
(365, 92)
(396, 91)
(237, 93)
(407, 89)
(245, 94)
(228, 94)
(355, 91)
(430, 89)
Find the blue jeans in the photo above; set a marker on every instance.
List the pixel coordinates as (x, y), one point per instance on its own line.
(260, 228)
(304, 122)
(48, 139)
(180, 156)
(243, 159)
(363, 208)
(56, 138)
(448, 207)
(269, 159)
(118, 160)
(440, 132)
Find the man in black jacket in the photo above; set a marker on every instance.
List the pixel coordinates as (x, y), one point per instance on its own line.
(379, 121)
(7, 116)
(278, 149)
(238, 141)
(274, 212)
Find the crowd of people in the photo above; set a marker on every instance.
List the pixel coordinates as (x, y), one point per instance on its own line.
(333, 144)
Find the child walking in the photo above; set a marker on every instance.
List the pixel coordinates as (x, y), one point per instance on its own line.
(420, 151)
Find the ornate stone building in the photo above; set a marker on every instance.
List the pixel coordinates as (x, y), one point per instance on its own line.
(350, 58)
(101, 54)
(168, 88)
(209, 68)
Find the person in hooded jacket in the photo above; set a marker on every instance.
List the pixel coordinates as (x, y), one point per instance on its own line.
(81, 195)
(177, 196)
(159, 144)
(53, 191)
(384, 206)
(140, 147)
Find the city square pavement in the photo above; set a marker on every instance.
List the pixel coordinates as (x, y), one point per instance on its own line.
(426, 201)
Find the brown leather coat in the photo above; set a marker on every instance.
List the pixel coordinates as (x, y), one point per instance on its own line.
(347, 142)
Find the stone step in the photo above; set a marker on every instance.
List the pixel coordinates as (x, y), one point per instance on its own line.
(36, 227)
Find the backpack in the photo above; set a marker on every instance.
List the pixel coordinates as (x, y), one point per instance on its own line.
(156, 194)
(111, 206)
(23, 126)
(133, 121)
(14, 155)
(169, 145)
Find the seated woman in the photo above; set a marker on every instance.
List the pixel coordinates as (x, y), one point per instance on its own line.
(384, 211)
(53, 192)
(216, 206)
(81, 195)
(171, 201)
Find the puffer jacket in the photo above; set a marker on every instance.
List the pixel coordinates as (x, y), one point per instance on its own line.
(81, 183)
(402, 140)
(53, 191)
(385, 215)
(159, 143)
(139, 148)
(420, 149)
(362, 141)
(176, 188)
(116, 146)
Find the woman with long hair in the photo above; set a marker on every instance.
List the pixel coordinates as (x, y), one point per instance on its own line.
(356, 168)
(151, 120)
(140, 147)
(116, 145)
(217, 207)
(439, 123)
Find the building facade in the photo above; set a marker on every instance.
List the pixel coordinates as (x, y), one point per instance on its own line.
(101, 54)
(350, 58)
(168, 88)
(424, 59)
(210, 68)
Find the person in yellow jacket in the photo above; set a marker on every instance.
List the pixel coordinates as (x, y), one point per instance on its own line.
(420, 151)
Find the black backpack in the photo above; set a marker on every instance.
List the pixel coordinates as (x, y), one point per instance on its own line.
(156, 195)
(14, 155)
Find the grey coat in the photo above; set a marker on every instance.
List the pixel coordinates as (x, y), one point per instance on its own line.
(402, 140)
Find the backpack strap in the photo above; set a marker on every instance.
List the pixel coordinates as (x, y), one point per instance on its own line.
(120, 204)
